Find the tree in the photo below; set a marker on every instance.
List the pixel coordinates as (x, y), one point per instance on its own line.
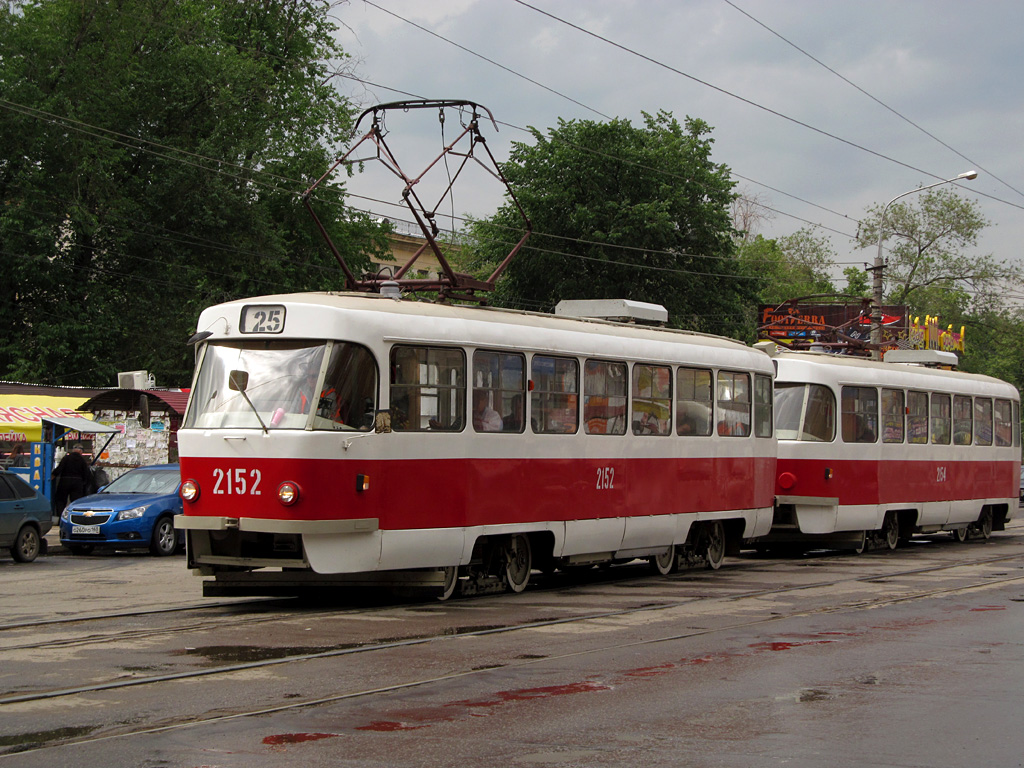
(791, 266)
(928, 262)
(153, 152)
(621, 212)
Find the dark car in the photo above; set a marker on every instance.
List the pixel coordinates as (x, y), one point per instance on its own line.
(136, 510)
(24, 518)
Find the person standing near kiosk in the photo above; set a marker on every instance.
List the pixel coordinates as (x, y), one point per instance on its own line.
(73, 478)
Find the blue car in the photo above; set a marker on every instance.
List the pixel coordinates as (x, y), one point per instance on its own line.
(24, 518)
(136, 510)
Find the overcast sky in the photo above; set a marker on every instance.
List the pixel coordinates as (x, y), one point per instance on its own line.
(952, 67)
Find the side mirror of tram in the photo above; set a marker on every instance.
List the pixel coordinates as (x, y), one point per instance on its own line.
(238, 380)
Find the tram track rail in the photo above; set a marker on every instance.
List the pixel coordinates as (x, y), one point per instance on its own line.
(964, 584)
(225, 669)
(983, 583)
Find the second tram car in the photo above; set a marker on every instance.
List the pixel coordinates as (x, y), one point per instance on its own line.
(870, 453)
(356, 439)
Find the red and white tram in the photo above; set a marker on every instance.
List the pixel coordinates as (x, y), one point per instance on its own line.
(356, 439)
(873, 452)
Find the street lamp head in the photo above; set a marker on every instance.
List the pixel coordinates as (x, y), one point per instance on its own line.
(968, 175)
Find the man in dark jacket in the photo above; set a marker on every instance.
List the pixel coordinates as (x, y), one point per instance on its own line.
(73, 477)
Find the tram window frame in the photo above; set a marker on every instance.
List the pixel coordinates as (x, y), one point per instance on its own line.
(917, 418)
(454, 392)
(597, 374)
(814, 406)
(545, 395)
(858, 414)
(764, 407)
(695, 415)
(1015, 423)
(983, 424)
(894, 413)
(733, 390)
(494, 379)
(656, 395)
(963, 420)
(940, 419)
(1003, 432)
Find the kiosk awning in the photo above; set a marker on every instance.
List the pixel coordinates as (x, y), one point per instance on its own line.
(20, 414)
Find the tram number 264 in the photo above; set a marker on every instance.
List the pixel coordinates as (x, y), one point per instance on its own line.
(605, 478)
(238, 482)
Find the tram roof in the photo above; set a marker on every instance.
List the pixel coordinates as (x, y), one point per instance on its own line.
(848, 369)
(392, 315)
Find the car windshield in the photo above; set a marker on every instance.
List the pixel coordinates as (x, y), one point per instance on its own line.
(155, 481)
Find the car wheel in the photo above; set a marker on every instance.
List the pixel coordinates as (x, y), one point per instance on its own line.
(165, 538)
(26, 545)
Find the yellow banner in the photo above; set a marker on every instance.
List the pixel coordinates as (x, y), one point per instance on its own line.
(20, 415)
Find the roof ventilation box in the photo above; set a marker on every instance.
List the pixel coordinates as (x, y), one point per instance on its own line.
(621, 310)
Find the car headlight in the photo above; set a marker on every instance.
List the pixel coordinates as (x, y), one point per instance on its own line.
(131, 514)
(66, 514)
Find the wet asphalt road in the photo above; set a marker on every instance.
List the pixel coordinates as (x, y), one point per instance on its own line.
(912, 658)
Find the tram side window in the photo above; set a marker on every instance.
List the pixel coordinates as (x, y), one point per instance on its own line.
(982, 421)
(1004, 428)
(604, 398)
(805, 412)
(694, 409)
(940, 420)
(963, 422)
(652, 400)
(554, 401)
(499, 392)
(763, 403)
(733, 404)
(1016, 424)
(917, 417)
(428, 389)
(860, 414)
(893, 412)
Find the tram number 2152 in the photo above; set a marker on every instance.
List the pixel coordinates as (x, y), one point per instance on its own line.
(237, 482)
(605, 478)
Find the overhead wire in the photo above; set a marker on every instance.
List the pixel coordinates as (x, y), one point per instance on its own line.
(878, 101)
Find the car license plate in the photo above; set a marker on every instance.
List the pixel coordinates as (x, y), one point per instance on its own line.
(85, 529)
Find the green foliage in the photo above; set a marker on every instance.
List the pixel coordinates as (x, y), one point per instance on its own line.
(621, 212)
(857, 284)
(927, 263)
(789, 267)
(153, 153)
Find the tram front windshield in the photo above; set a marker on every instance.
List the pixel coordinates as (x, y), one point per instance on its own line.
(284, 385)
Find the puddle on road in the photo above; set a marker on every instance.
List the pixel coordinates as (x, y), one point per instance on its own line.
(22, 741)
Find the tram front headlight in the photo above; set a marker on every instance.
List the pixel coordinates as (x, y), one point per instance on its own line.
(190, 490)
(288, 493)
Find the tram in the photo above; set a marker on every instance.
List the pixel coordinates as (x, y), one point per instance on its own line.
(870, 453)
(337, 439)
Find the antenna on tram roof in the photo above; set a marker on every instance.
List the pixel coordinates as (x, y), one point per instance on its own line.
(448, 284)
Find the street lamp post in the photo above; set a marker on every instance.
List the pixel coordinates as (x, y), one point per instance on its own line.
(876, 309)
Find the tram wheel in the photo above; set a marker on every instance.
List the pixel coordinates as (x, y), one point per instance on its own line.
(861, 544)
(960, 535)
(666, 562)
(451, 581)
(984, 524)
(518, 562)
(715, 552)
(891, 530)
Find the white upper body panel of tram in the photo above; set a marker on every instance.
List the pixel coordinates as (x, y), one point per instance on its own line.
(837, 370)
(375, 321)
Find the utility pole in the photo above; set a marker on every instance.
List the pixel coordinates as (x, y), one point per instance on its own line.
(876, 303)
